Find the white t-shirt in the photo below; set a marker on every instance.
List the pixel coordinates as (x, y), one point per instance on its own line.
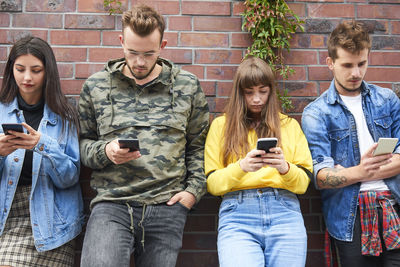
(365, 140)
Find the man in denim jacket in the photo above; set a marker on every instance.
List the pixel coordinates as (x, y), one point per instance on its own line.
(360, 192)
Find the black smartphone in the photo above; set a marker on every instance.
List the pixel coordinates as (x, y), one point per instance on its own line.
(132, 144)
(266, 143)
(13, 127)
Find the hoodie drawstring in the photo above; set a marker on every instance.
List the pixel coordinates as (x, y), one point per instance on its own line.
(140, 224)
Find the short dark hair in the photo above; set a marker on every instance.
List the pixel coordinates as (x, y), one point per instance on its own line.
(143, 20)
(52, 93)
(352, 36)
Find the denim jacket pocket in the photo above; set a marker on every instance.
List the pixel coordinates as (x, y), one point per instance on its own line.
(383, 126)
(339, 140)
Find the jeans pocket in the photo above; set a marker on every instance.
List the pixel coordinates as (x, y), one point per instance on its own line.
(227, 207)
(289, 200)
(182, 206)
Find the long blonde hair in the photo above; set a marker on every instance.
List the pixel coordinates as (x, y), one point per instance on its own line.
(251, 72)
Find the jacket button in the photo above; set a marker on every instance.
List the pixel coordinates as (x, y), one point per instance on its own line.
(16, 159)
(10, 182)
(41, 148)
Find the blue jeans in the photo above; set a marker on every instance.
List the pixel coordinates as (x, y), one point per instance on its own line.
(115, 231)
(261, 227)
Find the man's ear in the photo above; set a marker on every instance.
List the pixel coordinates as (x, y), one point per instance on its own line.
(163, 43)
(121, 39)
(329, 62)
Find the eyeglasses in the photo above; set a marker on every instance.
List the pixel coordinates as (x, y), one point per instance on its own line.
(142, 55)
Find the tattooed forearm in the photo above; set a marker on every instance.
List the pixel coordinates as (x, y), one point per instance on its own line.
(332, 180)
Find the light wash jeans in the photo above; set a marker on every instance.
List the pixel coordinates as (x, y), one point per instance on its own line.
(261, 227)
(155, 236)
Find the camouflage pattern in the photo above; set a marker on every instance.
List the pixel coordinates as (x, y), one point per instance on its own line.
(170, 118)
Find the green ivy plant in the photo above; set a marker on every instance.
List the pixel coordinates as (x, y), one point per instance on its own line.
(271, 24)
(113, 6)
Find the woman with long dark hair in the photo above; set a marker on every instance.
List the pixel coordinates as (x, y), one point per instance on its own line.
(260, 222)
(40, 198)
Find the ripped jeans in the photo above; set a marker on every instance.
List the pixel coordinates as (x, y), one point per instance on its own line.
(115, 231)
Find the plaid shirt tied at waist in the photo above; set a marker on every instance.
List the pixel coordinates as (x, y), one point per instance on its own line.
(370, 240)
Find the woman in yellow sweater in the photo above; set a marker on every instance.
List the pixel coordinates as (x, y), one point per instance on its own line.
(260, 222)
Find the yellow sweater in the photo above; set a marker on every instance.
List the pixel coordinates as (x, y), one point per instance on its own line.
(233, 178)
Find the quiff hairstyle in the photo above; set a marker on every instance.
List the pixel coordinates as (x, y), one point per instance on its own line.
(143, 20)
(352, 36)
(251, 72)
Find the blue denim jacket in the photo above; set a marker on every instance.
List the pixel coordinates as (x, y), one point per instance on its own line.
(56, 200)
(331, 133)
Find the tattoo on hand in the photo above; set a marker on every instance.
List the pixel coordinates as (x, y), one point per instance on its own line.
(333, 180)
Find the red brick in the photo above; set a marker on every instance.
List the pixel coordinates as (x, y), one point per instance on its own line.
(315, 258)
(384, 1)
(331, 11)
(86, 69)
(299, 104)
(238, 8)
(111, 38)
(195, 69)
(200, 241)
(180, 23)
(308, 41)
(327, 1)
(71, 87)
(51, 6)
(37, 20)
(221, 72)
(204, 39)
(209, 87)
(382, 74)
(319, 73)
(297, 57)
(316, 241)
(70, 54)
(4, 20)
(197, 258)
(207, 205)
(384, 58)
(165, 7)
(224, 88)
(220, 104)
(379, 11)
(97, 6)
(11, 6)
(301, 88)
(200, 223)
(312, 222)
(172, 38)
(304, 204)
(323, 86)
(322, 57)
(65, 37)
(89, 21)
(3, 55)
(8, 36)
(395, 27)
(104, 54)
(218, 56)
(241, 40)
(2, 67)
(217, 24)
(298, 8)
(178, 56)
(206, 8)
(65, 70)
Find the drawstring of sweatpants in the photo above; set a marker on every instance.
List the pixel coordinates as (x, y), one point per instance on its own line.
(140, 224)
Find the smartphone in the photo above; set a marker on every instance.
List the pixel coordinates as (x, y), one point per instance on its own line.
(266, 143)
(132, 144)
(12, 126)
(385, 146)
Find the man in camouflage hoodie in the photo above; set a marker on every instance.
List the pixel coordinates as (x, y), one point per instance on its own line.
(143, 196)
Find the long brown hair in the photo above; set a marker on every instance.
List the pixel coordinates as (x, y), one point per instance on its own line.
(251, 72)
(53, 96)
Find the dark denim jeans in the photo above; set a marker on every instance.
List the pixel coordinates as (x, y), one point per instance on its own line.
(350, 252)
(155, 240)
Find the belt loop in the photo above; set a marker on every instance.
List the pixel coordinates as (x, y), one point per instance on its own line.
(276, 192)
(240, 197)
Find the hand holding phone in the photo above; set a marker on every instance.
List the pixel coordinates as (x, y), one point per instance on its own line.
(385, 146)
(17, 127)
(132, 144)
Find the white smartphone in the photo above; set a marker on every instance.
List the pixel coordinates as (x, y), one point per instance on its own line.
(385, 146)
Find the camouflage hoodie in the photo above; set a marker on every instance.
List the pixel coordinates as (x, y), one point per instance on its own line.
(170, 118)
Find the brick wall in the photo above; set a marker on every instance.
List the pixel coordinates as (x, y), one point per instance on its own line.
(205, 37)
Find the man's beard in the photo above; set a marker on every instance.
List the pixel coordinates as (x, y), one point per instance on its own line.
(350, 90)
(141, 77)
